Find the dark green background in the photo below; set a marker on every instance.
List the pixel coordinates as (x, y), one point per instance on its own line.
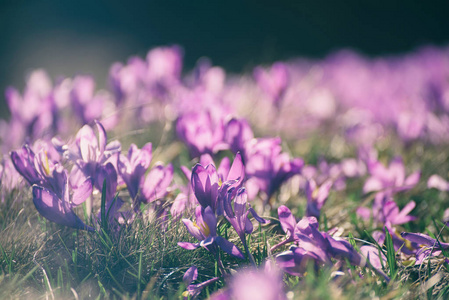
(71, 37)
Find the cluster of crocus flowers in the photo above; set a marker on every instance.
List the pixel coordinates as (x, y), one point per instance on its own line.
(220, 193)
(215, 115)
(51, 191)
(308, 246)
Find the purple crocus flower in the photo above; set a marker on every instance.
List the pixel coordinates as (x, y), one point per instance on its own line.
(164, 64)
(201, 132)
(108, 175)
(291, 227)
(429, 246)
(193, 290)
(312, 245)
(32, 114)
(89, 154)
(54, 201)
(273, 82)
(372, 255)
(24, 162)
(210, 187)
(157, 183)
(288, 224)
(316, 197)
(87, 105)
(391, 179)
(39, 168)
(237, 134)
(238, 215)
(268, 167)
(205, 185)
(385, 211)
(132, 167)
(205, 231)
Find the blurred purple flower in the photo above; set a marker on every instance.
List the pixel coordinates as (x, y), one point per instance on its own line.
(316, 197)
(157, 183)
(391, 179)
(273, 82)
(132, 167)
(385, 211)
(237, 134)
(253, 284)
(437, 182)
(201, 133)
(87, 104)
(268, 167)
(33, 114)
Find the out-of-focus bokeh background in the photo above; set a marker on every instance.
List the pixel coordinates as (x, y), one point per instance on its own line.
(86, 37)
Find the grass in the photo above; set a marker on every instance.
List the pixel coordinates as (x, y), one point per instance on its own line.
(42, 260)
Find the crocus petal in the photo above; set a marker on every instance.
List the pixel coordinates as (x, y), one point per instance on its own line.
(256, 216)
(179, 206)
(292, 262)
(111, 148)
(102, 138)
(206, 160)
(310, 189)
(223, 169)
(193, 230)
(23, 161)
(287, 220)
(323, 192)
(343, 249)
(229, 247)
(240, 202)
(438, 182)
(55, 210)
(227, 206)
(82, 192)
(157, 182)
(190, 275)
(87, 143)
(237, 133)
(188, 246)
(372, 184)
(305, 225)
(403, 216)
(397, 171)
(422, 239)
(210, 220)
(195, 289)
(207, 242)
(372, 254)
(107, 173)
(237, 170)
(364, 213)
(413, 179)
(248, 226)
(205, 184)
